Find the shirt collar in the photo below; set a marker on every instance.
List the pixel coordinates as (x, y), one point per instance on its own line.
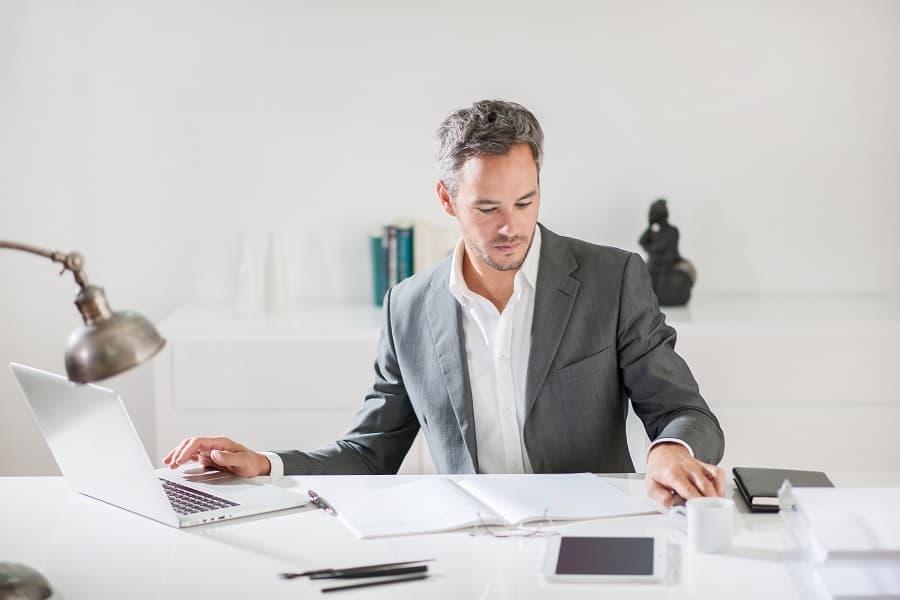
(527, 272)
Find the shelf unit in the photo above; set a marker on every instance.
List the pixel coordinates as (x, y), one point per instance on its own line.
(798, 382)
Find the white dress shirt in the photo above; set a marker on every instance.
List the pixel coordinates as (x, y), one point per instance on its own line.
(497, 348)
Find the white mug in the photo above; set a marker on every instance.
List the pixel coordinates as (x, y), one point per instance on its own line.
(710, 523)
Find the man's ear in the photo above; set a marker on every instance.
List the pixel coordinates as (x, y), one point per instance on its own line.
(444, 198)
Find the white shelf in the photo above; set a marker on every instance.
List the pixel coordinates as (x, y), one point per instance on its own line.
(757, 314)
(217, 321)
(806, 382)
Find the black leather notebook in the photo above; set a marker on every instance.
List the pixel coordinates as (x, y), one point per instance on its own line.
(759, 487)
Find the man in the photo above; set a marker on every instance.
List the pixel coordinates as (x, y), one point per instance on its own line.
(519, 352)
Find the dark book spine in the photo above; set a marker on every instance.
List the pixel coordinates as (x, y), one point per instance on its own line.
(390, 233)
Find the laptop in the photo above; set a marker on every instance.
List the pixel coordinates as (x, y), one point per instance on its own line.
(100, 455)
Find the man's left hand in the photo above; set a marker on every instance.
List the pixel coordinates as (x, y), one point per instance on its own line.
(673, 475)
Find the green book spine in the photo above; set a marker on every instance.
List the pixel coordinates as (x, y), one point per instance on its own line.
(404, 251)
(379, 280)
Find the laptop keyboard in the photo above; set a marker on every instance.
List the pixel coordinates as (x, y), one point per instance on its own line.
(188, 501)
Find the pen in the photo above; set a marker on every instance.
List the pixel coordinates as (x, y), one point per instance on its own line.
(321, 503)
(365, 568)
(371, 583)
(361, 573)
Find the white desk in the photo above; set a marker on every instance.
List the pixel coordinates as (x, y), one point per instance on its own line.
(91, 550)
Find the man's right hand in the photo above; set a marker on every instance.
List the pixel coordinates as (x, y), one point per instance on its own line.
(219, 453)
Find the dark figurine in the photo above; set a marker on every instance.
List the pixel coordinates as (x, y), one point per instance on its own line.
(671, 275)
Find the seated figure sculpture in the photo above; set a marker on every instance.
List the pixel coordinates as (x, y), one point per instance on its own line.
(671, 275)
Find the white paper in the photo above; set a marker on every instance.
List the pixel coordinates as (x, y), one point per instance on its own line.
(428, 505)
(519, 499)
(434, 504)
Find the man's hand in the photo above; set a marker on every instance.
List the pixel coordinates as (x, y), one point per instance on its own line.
(673, 474)
(219, 453)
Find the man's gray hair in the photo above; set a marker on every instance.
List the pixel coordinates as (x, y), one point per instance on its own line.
(488, 127)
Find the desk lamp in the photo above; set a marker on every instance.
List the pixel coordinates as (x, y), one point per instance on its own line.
(107, 344)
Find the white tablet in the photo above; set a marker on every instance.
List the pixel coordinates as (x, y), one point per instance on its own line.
(606, 559)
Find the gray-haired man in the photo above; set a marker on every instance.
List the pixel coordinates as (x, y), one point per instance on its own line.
(518, 353)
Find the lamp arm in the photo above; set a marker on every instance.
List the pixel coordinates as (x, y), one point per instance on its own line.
(73, 261)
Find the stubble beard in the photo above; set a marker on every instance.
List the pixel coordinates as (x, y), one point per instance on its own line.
(484, 257)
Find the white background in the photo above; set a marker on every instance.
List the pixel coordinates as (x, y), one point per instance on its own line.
(152, 136)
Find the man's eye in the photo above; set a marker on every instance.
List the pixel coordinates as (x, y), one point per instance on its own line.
(523, 204)
(487, 211)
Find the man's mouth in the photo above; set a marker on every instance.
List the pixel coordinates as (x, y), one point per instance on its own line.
(508, 246)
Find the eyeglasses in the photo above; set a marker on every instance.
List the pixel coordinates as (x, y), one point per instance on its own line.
(519, 531)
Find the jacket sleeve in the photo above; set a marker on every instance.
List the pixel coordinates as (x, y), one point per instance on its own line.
(662, 389)
(383, 429)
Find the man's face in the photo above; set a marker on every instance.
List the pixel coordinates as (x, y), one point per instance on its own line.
(497, 206)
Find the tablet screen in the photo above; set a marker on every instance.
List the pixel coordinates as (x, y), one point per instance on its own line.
(605, 556)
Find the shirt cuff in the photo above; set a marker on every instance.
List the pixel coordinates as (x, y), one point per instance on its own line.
(655, 442)
(277, 470)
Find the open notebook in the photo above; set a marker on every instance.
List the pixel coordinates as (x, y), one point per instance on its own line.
(437, 504)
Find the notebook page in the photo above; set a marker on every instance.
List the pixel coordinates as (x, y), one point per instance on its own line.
(522, 498)
(429, 505)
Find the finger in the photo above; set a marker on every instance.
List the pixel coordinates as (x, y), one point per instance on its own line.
(188, 451)
(208, 463)
(719, 479)
(234, 462)
(170, 458)
(660, 493)
(679, 481)
(716, 475)
(196, 446)
(701, 478)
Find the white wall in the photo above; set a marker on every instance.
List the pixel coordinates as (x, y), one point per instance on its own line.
(151, 135)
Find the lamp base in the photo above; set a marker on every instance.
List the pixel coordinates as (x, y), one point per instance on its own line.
(20, 582)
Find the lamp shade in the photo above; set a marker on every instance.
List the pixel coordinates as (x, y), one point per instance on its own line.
(108, 343)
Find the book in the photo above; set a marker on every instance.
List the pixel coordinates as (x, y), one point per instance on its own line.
(379, 277)
(431, 244)
(399, 250)
(759, 486)
(404, 251)
(435, 504)
(390, 258)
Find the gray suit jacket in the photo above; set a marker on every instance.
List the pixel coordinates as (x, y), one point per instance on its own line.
(598, 338)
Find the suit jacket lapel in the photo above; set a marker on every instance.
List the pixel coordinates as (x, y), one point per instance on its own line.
(446, 328)
(553, 300)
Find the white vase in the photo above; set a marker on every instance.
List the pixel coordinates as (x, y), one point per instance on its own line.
(248, 294)
(277, 285)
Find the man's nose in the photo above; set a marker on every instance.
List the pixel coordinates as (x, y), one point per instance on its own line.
(510, 225)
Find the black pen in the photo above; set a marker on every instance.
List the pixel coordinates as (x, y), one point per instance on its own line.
(352, 586)
(321, 503)
(363, 573)
(347, 570)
